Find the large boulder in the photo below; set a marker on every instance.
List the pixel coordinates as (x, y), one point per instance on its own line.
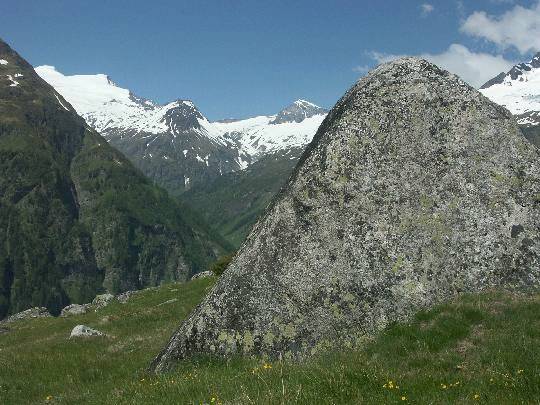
(415, 188)
(124, 297)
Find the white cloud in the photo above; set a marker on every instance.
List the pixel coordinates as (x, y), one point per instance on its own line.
(474, 68)
(363, 69)
(518, 27)
(426, 9)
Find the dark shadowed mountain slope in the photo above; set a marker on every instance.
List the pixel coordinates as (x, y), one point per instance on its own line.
(76, 217)
(233, 203)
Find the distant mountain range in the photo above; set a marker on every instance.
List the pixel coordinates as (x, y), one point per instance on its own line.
(175, 144)
(519, 91)
(230, 169)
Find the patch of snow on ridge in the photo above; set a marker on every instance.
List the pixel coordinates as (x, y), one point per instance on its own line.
(256, 136)
(3, 62)
(14, 83)
(519, 96)
(58, 98)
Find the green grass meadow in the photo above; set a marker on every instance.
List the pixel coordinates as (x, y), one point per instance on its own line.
(476, 349)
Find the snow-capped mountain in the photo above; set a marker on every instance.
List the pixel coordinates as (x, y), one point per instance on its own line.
(291, 128)
(519, 91)
(174, 143)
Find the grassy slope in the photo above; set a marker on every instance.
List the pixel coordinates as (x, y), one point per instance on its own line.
(485, 345)
(233, 202)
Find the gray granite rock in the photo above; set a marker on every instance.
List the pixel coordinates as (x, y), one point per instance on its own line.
(102, 300)
(415, 188)
(37, 312)
(74, 309)
(202, 274)
(84, 331)
(124, 297)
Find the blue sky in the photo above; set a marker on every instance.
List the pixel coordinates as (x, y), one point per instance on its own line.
(245, 57)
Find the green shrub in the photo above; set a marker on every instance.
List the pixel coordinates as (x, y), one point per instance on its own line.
(219, 266)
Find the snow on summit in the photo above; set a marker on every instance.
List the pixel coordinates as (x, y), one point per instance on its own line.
(518, 90)
(103, 104)
(106, 107)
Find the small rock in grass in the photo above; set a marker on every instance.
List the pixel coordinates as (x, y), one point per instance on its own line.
(84, 331)
(167, 302)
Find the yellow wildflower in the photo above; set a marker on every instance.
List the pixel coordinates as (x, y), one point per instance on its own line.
(266, 366)
(49, 398)
(476, 396)
(443, 386)
(404, 398)
(520, 371)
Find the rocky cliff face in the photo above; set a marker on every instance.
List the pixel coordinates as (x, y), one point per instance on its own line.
(415, 188)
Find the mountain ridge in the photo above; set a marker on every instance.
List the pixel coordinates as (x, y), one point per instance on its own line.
(174, 143)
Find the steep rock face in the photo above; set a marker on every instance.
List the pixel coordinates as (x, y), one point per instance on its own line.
(416, 187)
(76, 216)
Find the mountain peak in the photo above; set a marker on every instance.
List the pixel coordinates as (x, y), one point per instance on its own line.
(518, 90)
(517, 72)
(298, 111)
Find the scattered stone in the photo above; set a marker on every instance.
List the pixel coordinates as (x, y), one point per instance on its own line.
(203, 274)
(102, 300)
(167, 302)
(37, 312)
(74, 309)
(124, 297)
(407, 196)
(84, 331)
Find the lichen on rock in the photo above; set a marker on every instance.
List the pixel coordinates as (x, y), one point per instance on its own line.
(415, 188)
